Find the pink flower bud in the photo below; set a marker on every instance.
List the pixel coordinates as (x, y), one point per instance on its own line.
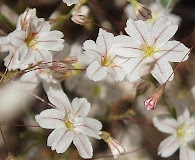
(151, 102)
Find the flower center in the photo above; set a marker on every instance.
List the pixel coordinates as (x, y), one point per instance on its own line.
(68, 124)
(148, 51)
(106, 61)
(31, 41)
(183, 131)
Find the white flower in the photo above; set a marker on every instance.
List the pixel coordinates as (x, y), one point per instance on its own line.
(47, 73)
(104, 61)
(70, 2)
(36, 42)
(182, 132)
(149, 45)
(70, 123)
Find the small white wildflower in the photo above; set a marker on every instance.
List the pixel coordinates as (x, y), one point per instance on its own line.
(182, 132)
(70, 123)
(151, 45)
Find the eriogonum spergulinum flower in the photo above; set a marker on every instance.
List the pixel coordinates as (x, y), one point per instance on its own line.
(149, 45)
(182, 130)
(36, 42)
(70, 2)
(104, 61)
(70, 123)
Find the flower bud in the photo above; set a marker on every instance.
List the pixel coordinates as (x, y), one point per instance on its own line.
(116, 148)
(79, 19)
(142, 12)
(151, 102)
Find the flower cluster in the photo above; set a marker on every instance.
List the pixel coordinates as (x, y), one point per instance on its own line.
(97, 75)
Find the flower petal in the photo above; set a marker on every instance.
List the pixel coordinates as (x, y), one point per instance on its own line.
(183, 113)
(104, 40)
(96, 72)
(83, 145)
(186, 153)
(165, 123)
(50, 118)
(88, 126)
(51, 40)
(80, 107)
(60, 139)
(162, 71)
(168, 146)
(17, 38)
(174, 51)
(162, 31)
(92, 50)
(139, 31)
(59, 99)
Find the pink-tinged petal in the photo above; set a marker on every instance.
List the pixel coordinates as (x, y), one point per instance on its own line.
(60, 139)
(26, 55)
(92, 50)
(30, 79)
(117, 73)
(42, 55)
(183, 113)
(43, 26)
(168, 146)
(162, 31)
(162, 71)
(132, 68)
(59, 99)
(51, 40)
(80, 107)
(4, 44)
(88, 126)
(17, 38)
(11, 60)
(139, 31)
(165, 123)
(186, 152)
(104, 40)
(50, 118)
(127, 49)
(174, 51)
(83, 145)
(96, 72)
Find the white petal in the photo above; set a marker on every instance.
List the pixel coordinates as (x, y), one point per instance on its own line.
(30, 79)
(139, 31)
(165, 123)
(168, 146)
(96, 72)
(80, 107)
(162, 71)
(186, 153)
(132, 68)
(117, 73)
(70, 2)
(59, 99)
(27, 55)
(174, 51)
(50, 118)
(183, 113)
(51, 40)
(42, 55)
(83, 145)
(88, 126)
(92, 50)
(127, 49)
(162, 31)
(60, 139)
(4, 44)
(105, 40)
(17, 38)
